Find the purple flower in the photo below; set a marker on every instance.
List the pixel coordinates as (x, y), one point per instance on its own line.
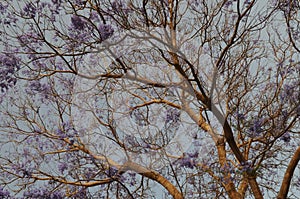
(43, 193)
(81, 193)
(94, 16)
(194, 3)
(172, 115)
(297, 183)
(38, 87)
(62, 167)
(77, 22)
(240, 116)
(8, 66)
(9, 61)
(132, 178)
(289, 92)
(227, 168)
(58, 2)
(187, 160)
(112, 171)
(89, 173)
(193, 155)
(247, 2)
(3, 8)
(228, 3)
(4, 193)
(129, 177)
(117, 6)
(105, 31)
(80, 2)
(29, 10)
(23, 169)
(256, 128)
(286, 137)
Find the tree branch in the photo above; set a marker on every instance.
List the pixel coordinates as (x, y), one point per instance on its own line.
(154, 176)
(286, 182)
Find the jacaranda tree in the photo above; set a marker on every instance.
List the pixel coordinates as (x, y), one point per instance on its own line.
(150, 99)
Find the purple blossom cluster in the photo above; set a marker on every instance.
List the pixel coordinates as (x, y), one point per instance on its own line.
(39, 89)
(117, 5)
(67, 130)
(82, 31)
(120, 8)
(105, 31)
(3, 8)
(90, 173)
(172, 115)
(56, 2)
(286, 137)
(129, 177)
(133, 143)
(240, 116)
(297, 183)
(79, 32)
(8, 66)
(8, 19)
(290, 92)
(23, 169)
(77, 22)
(86, 32)
(295, 33)
(62, 167)
(80, 2)
(112, 171)
(188, 160)
(228, 4)
(41, 193)
(94, 16)
(80, 193)
(29, 10)
(49, 9)
(256, 128)
(4, 193)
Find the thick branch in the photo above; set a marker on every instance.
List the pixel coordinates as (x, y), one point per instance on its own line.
(154, 176)
(254, 187)
(75, 183)
(228, 184)
(243, 187)
(134, 167)
(228, 134)
(286, 182)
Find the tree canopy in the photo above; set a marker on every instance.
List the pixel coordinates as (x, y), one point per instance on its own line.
(149, 99)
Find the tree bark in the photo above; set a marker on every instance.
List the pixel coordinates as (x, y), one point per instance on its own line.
(243, 187)
(255, 188)
(228, 184)
(154, 176)
(286, 182)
